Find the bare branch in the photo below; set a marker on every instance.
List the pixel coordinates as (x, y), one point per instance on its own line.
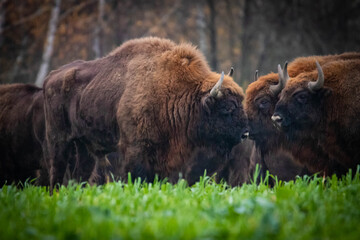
(27, 19)
(164, 18)
(75, 9)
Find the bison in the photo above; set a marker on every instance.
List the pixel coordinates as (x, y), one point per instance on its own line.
(22, 131)
(22, 138)
(261, 97)
(151, 100)
(323, 104)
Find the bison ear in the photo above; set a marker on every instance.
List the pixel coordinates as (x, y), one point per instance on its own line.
(207, 102)
(185, 61)
(69, 79)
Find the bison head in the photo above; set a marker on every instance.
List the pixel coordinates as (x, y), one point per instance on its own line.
(223, 120)
(301, 103)
(261, 97)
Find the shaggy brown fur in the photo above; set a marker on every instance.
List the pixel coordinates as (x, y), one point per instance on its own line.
(150, 100)
(330, 115)
(260, 104)
(22, 130)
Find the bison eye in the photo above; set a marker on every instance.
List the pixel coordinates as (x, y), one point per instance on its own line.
(263, 103)
(227, 108)
(225, 111)
(302, 97)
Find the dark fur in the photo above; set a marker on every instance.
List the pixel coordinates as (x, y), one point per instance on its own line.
(149, 100)
(239, 167)
(329, 115)
(234, 168)
(22, 130)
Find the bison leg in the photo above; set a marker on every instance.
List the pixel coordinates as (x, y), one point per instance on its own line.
(86, 162)
(101, 172)
(59, 159)
(205, 159)
(114, 161)
(43, 177)
(107, 168)
(137, 163)
(83, 163)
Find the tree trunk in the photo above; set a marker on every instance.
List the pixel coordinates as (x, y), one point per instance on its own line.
(231, 31)
(201, 27)
(19, 59)
(49, 44)
(2, 19)
(98, 31)
(213, 47)
(245, 42)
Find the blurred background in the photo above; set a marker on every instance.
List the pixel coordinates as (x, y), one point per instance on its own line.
(37, 36)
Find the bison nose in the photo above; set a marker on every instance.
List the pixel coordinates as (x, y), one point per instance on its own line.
(277, 119)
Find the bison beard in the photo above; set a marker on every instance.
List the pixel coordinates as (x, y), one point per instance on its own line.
(323, 104)
(150, 100)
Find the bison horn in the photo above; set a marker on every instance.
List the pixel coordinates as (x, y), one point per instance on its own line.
(286, 76)
(276, 89)
(231, 72)
(313, 86)
(215, 91)
(256, 76)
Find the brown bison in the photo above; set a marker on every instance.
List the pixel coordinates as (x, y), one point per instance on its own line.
(22, 131)
(323, 104)
(261, 97)
(151, 100)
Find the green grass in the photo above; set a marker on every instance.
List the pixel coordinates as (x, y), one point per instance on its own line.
(308, 208)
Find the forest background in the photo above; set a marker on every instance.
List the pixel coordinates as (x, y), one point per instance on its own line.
(37, 36)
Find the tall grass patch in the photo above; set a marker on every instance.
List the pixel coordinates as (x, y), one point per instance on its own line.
(307, 208)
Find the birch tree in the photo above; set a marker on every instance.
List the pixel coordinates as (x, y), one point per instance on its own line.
(97, 40)
(49, 44)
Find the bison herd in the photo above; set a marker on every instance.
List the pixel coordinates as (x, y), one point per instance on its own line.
(154, 108)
